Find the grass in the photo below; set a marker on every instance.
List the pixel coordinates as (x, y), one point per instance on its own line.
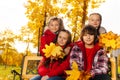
(5, 73)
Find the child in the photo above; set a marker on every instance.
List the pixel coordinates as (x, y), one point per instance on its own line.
(89, 55)
(54, 70)
(95, 20)
(54, 26)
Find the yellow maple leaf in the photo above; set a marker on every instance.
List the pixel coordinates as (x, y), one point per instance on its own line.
(75, 74)
(84, 75)
(53, 51)
(112, 43)
(48, 49)
(109, 41)
(118, 42)
(72, 73)
(57, 52)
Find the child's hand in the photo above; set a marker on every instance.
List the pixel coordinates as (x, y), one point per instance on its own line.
(44, 77)
(52, 58)
(67, 50)
(41, 63)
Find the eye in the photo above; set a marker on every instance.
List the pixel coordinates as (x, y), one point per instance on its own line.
(59, 36)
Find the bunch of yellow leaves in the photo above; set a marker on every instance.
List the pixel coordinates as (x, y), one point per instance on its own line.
(118, 42)
(110, 41)
(53, 51)
(75, 74)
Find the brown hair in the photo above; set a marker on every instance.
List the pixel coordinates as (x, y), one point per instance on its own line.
(88, 29)
(69, 37)
(47, 62)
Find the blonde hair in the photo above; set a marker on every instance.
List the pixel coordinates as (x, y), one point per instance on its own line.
(96, 14)
(60, 21)
(100, 16)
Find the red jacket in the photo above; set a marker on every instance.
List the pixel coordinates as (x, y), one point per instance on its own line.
(47, 37)
(55, 68)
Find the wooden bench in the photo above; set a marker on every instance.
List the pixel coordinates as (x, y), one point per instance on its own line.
(29, 67)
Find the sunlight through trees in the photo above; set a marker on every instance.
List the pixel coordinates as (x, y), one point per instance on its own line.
(74, 12)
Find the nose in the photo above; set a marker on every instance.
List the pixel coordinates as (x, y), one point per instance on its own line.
(61, 39)
(88, 36)
(55, 27)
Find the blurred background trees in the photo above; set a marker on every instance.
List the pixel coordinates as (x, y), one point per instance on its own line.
(73, 12)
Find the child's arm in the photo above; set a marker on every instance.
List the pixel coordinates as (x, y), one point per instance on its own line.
(67, 50)
(46, 38)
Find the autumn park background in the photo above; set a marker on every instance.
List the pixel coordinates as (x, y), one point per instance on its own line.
(38, 12)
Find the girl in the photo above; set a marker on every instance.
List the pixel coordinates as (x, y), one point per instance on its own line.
(89, 55)
(95, 20)
(55, 70)
(54, 26)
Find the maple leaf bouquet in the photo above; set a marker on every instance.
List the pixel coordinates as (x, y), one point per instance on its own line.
(109, 41)
(76, 74)
(53, 51)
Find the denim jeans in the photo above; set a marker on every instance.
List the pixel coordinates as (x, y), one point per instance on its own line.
(101, 77)
(38, 77)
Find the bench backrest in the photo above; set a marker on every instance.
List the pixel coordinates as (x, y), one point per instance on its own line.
(29, 68)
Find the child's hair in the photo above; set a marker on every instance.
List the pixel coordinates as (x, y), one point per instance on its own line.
(97, 14)
(61, 26)
(47, 62)
(100, 16)
(69, 37)
(89, 29)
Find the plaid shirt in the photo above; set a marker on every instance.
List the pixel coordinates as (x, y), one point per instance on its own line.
(100, 61)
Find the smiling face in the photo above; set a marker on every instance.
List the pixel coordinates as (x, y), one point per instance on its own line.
(53, 26)
(62, 38)
(88, 40)
(94, 20)
(89, 36)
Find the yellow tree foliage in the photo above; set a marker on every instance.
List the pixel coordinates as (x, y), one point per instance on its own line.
(9, 52)
(26, 36)
(96, 3)
(75, 11)
(37, 12)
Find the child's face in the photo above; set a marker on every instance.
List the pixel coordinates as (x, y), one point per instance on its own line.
(53, 26)
(94, 20)
(62, 38)
(88, 39)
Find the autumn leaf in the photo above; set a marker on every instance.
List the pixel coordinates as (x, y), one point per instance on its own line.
(72, 73)
(118, 42)
(110, 41)
(76, 74)
(53, 51)
(48, 49)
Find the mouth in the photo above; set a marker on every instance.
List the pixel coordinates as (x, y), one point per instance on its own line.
(88, 40)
